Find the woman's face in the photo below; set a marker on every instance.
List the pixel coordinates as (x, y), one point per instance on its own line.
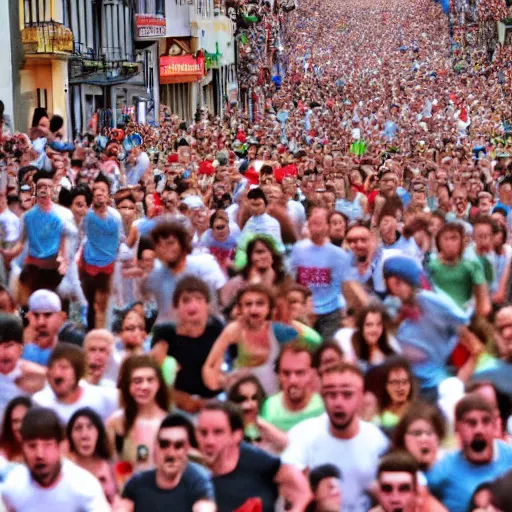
(373, 328)
(85, 436)
(133, 331)
(79, 207)
(248, 393)
(144, 385)
(421, 442)
(398, 386)
(337, 227)
(220, 230)
(261, 257)
(17, 415)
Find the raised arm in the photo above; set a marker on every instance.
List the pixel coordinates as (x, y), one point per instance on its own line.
(293, 487)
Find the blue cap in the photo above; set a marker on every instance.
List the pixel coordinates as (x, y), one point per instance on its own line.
(405, 268)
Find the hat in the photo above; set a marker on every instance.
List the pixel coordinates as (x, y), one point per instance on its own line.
(44, 301)
(405, 268)
(222, 158)
(11, 328)
(193, 202)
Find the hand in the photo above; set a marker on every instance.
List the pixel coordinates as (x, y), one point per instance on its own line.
(63, 265)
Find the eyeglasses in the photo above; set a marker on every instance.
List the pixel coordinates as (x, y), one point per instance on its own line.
(164, 444)
(420, 432)
(400, 488)
(398, 382)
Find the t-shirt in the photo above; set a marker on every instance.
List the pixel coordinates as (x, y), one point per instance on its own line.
(457, 280)
(432, 336)
(275, 412)
(323, 269)
(10, 226)
(311, 444)
(454, 479)
(253, 477)
(162, 281)
(36, 354)
(103, 238)
(77, 491)
(191, 354)
(103, 400)
(224, 250)
(263, 223)
(194, 485)
(44, 231)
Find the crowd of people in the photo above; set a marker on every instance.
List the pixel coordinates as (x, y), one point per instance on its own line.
(305, 306)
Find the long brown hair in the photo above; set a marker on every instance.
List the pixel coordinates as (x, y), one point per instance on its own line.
(359, 343)
(162, 398)
(8, 443)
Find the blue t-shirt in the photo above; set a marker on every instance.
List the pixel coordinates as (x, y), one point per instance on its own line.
(32, 352)
(453, 479)
(323, 269)
(433, 334)
(103, 238)
(44, 232)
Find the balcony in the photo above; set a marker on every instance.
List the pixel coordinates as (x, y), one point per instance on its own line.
(47, 39)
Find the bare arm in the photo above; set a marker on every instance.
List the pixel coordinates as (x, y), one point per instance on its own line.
(355, 294)
(483, 304)
(133, 236)
(293, 487)
(159, 351)
(212, 374)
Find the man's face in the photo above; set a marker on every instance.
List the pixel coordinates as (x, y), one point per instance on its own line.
(257, 206)
(397, 491)
(100, 194)
(342, 394)
(358, 240)
(26, 200)
(255, 309)
(62, 378)
(97, 354)
(133, 331)
(295, 376)
(171, 451)
(46, 325)
(328, 495)
(79, 207)
(169, 250)
(476, 433)
(215, 437)
(450, 245)
(192, 308)
(43, 459)
(318, 226)
(44, 188)
(296, 304)
(485, 205)
(388, 183)
(10, 353)
(460, 201)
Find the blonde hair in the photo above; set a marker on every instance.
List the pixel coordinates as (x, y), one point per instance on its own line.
(102, 334)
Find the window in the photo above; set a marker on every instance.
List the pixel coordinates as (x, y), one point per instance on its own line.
(36, 11)
(42, 98)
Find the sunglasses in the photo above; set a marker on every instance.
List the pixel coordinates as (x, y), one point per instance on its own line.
(400, 488)
(164, 444)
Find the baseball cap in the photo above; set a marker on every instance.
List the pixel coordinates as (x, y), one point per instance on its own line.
(44, 301)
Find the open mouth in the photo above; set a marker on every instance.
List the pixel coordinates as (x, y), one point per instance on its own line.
(478, 445)
(425, 451)
(58, 381)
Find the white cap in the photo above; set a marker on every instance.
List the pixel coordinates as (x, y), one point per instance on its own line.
(44, 301)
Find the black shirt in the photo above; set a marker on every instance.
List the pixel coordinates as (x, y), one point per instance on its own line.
(253, 477)
(191, 354)
(194, 485)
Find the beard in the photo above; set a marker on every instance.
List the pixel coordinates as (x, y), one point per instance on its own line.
(340, 421)
(46, 475)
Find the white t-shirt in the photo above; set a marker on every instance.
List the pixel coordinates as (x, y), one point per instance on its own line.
(10, 226)
(311, 444)
(77, 491)
(102, 400)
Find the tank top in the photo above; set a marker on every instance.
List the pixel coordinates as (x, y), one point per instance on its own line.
(265, 372)
(352, 209)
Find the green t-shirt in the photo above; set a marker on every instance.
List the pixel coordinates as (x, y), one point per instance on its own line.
(458, 280)
(275, 412)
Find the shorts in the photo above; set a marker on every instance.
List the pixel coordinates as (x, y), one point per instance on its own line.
(96, 279)
(37, 278)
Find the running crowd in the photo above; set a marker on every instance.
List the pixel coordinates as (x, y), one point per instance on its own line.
(306, 307)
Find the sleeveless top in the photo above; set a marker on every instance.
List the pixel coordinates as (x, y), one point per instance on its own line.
(265, 372)
(352, 209)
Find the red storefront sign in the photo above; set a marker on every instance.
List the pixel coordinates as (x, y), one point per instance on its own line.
(148, 26)
(178, 70)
